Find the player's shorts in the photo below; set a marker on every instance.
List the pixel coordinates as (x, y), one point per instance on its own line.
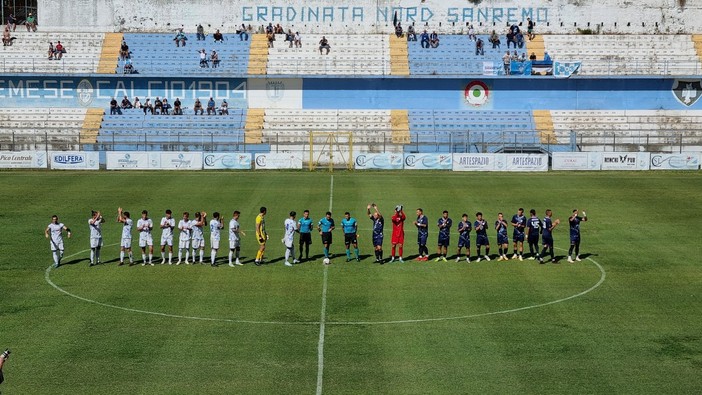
(377, 239)
(482, 240)
(184, 244)
(463, 241)
(198, 243)
(56, 246)
(502, 239)
(534, 240)
(326, 237)
(518, 237)
(350, 238)
(146, 240)
(444, 240)
(126, 243)
(422, 238)
(398, 238)
(95, 242)
(306, 238)
(234, 243)
(214, 243)
(167, 241)
(548, 241)
(574, 239)
(259, 238)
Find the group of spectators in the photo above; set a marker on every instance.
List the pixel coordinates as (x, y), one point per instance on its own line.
(293, 39)
(163, 107)
(56, 52)
(206, 60)
(30, 23)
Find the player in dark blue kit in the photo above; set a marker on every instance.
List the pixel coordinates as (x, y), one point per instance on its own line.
(350, 227)
(444, 225)
(325, 227)
(481, 238)
(574, 222)
(502, 239)
(534, 231)
(464, 228)
(422, 224)
(547, 236)
(519, 223)
(304, 226)
(378, 224)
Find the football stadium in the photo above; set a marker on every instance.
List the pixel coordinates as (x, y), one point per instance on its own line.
(328, 197)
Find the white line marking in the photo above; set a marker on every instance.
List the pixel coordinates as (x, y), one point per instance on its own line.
(323, 315)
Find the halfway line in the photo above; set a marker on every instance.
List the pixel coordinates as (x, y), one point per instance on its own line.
(323, 315)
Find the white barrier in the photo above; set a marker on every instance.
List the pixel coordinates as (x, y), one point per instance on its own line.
(74, 160)
(682, 161)
(500, 162)
(230, 160)
(153, 160)
(23, 160)
(474, 162)
(525, 162)
(428, 161)
(576, 161)
(379, 161)
(625, 160)
(278, 161)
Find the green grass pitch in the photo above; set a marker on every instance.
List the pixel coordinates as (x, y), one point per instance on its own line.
(417, 327)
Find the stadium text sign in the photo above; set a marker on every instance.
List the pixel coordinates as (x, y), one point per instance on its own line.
(278, 161)
(23, 160)
(575, 161)
(154, 160)
(428, 161)
(227, 160)
(378, 161)
(682, 161)
(74, 160)
(626, 160)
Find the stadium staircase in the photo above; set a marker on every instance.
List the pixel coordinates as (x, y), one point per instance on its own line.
(399, 56)
(110, 53)
(258, 58)
(91, 125)
(254, 126)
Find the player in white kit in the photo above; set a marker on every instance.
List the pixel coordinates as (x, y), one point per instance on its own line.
(95, 223)
(234, 239)
(167, 225)
(144, 226)
(216, 226)
(184, 238)
(198, 235)
(126, 243)
(54, 232)
(290, 229)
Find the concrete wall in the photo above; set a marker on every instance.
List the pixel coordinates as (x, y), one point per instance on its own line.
(374, 16)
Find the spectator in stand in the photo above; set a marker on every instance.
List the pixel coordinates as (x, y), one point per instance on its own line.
(547, 57)
(523, 58)
(270, 37)
(532, 57)
(510, 39)
(6, 39)
(211, 109)
(59, 50)
(278, 29)
(506, 60)
(166, 107)
(198, 107)
(203, 58)
(398, 30)
(494, 40)
(471, 33)
(425, 40)
(514, 29)
(270, 28)
(51, 51)
(31, 23)
(324, 44)
(218, 37)
(124, 51)
(224, 108)
(177, 109)
(158, 106)
(289, 37)
(148, 106)
(298, 40)
(180, 38)
(114, 108)
(515, 56)
(479, 47)
(200, 33)
(243, 33)
(434, 40)
(137, 103)
(411, 34)
(12, 22)
(128, 67)
(519, 37)
(530, 29)
(215, 59)
(126, 104)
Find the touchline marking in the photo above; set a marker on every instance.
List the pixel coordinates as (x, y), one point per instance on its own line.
(47, 277)
(323, 315)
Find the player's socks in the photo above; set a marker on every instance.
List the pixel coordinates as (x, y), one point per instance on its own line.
(143, 259)
(213, 256)
(326, 252)
(570, 250)
(577, 249)
(151, 258)
(202, 255)
(287, 254)
(392, 251)
(170, 257)
(231, 255)
(348, 254)
(92, 256)
(56, 258)
(97, 254)
(355, 251)
(121, 257)
(131, 258)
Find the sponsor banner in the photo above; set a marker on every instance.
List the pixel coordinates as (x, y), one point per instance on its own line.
(428, 161)
(490, 68)
(228, 160)
(23, 160)
(682, 161)
(626, 160)
(576, 161)
(153, 160)
(278, 161)
(74, 160)
(384, 161)
(180, 160)
(474, 162)
(565, 69)
(127, 160)
(524, 162)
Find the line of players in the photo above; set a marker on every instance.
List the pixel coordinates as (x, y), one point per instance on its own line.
(192, 236)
